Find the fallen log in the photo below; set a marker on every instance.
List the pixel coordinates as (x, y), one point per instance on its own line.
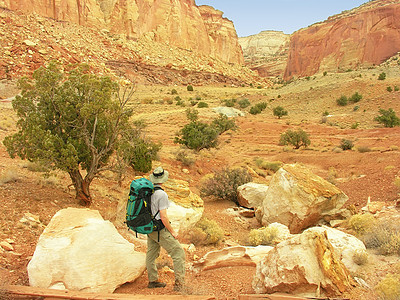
(27, 292)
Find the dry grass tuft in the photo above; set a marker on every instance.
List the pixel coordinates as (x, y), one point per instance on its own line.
(263, 236)
(389, 287)
(205, 232)
(9, 175)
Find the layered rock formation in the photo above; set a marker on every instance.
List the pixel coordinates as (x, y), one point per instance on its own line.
(179, 22)
(266, 52)
(365, 36)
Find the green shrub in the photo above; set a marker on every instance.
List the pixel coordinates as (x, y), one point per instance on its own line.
(389, 89)
(396, 88)
(325, 73)
(346, 144)
(382, 76)
(223, 124)
(355, 125)
(296, 138)
(258, 108)
(388, 118)
(202, 104)
(325, 113)
(273, 166)
(230, 102)
(197, 135)
(174, 92)
(389, 287)
(263, 236)
(279, 112)
(243, 103)
(224, 184)
(342, 101)
(190, 88)
(205, 232)
(356, 97)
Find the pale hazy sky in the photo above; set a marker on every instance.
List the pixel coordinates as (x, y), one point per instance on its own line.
(253, 16)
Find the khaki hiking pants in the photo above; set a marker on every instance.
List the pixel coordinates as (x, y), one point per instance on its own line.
(173, 248)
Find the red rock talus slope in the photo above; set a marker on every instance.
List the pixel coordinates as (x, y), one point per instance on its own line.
(179, 22)
(365, 36)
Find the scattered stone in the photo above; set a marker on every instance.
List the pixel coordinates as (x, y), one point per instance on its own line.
(6, 246)
(230, 112)
(29, 43)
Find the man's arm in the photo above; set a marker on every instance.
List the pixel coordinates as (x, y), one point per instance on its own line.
(167, 224)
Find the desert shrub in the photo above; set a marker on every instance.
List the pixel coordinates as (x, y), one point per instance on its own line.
(388, 118)
(363, 149)
(389, 89)
(185, 158)
(258, 108)
(223, 124)
(355, 108)
(342, 101)
(325, 113)
(190, 88)
(37, 167)
(202, 104)
(382, 76)
(389, 287)
(296, 138)
(273, 166)
(356, 97)
(174, 92)
(325, 73)
(263, 236)
(396, 88)
(205, 232)
(279, 112)
(355, 125)
(383, 236)
(346, 144)
(9, 175)
(197, 135)
(243, 103)
(224, 184)
(361, 223)
(360, 257)
(229, 102)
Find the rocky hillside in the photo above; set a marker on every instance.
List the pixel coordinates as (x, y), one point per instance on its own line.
(266, 52)
(178, 23)
(29, 41)
(364, 36)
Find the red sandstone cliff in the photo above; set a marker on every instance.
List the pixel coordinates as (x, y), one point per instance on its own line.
(365, 36)
(177, 22)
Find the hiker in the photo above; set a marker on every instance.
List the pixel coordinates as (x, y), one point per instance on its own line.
(166, 237)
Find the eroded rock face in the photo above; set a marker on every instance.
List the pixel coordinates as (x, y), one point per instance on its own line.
(80, 251)
(180, 22)
(251, 194)
(266, 52)
(301, 266)
(365, 36)
(300, 199)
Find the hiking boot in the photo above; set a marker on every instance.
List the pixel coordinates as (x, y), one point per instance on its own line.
(156, 284)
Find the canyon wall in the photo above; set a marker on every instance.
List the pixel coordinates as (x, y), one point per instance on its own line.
(176, 22)
(266, 52)
(365, 36)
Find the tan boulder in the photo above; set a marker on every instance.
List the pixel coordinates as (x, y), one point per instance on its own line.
(80, 251)
(299, 199)
(232, 256)
(251, 195)
(305, 265)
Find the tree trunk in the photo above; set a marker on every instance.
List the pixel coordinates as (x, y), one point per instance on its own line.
(81, 187)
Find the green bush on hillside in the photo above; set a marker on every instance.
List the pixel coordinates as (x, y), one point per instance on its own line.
(296, 138)
(388, 118)
(279, 112)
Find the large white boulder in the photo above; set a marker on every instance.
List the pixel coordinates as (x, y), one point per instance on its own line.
(80, 251)
(251, 194)
(305, 265)
(300, 199)
(345, 245)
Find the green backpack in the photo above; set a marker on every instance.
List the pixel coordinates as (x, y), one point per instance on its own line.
(138, 209)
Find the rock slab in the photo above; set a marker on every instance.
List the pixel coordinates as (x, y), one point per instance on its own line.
(81, 251)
